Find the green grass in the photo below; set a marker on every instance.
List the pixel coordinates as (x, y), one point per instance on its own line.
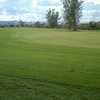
(49, 64)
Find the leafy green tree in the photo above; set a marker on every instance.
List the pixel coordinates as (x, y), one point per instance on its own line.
(52, 18)
(72, 12)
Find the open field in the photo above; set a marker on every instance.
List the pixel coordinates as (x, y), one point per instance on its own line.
(49, 64)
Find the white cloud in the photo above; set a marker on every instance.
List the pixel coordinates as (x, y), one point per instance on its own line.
(6, 17)
(30, 10)
(94, 1)
(2, 1)
(34, 2)
(4, 12)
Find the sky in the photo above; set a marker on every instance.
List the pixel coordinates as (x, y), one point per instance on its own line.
(35, 10)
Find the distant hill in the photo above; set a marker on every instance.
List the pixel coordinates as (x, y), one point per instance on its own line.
(14, 23)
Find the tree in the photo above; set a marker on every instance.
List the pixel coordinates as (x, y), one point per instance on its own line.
(52, 17)
(21, 23)
(39, 25)
(92, 25)
(72, 12)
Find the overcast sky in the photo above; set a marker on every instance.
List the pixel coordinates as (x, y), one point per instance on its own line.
(34, 10)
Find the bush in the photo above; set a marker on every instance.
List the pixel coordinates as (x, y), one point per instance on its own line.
(92, 25)
(84, 26)
(40, 25)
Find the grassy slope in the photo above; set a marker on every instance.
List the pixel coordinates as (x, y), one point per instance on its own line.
(45, 64)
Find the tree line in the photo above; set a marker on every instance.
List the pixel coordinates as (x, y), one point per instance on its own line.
(72, 12)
